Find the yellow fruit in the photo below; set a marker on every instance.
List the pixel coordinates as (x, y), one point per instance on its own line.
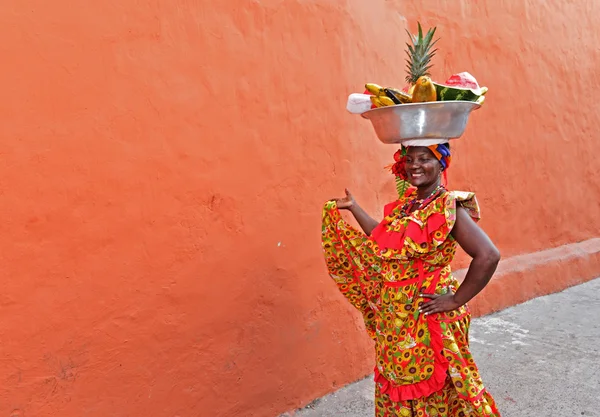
(386, 101)
(424, 90)
(375, 89)
(382, 101)
(376, 102)
(401, 95)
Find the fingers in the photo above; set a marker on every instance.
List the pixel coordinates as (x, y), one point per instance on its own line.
(438, 304)
(348, 197)
(431, 306)
(428, 307)
(431, 296)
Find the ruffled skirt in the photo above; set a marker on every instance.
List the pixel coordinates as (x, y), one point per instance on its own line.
(444, 403)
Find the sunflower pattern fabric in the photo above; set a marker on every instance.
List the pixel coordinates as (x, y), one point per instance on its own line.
(423, 364)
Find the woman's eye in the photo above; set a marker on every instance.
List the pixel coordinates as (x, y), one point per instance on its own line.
(419, 160)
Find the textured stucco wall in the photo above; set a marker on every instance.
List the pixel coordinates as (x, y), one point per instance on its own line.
(163, 169)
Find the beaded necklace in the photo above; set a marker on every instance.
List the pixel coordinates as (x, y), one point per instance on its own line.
(409, 206)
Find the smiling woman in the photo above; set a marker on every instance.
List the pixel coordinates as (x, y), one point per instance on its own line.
(397, 274)
(423, 167)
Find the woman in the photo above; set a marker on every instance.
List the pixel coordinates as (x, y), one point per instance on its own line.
(397, 274)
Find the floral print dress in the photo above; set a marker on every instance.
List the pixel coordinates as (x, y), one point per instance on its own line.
(423, 363)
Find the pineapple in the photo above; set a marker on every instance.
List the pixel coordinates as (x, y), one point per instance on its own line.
(419, 55)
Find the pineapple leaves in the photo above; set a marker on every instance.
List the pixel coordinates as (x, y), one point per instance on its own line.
(429, 36)
(420, 53)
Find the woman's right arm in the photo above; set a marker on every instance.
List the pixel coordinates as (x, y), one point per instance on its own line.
(366, 222)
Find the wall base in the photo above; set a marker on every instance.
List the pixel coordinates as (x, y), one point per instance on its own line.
(521, 278)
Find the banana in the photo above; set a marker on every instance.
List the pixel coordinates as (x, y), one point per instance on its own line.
(375, 89)
(401, 96)
(386, 101)
(381, 101)
(376, 102)
(391, 95)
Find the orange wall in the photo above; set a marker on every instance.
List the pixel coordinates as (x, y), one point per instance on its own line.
(163, 169)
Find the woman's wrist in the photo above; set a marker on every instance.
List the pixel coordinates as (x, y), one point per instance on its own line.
(457, 301)
(460, 301)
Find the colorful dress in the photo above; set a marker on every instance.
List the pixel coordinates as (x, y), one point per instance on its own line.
(423, 363)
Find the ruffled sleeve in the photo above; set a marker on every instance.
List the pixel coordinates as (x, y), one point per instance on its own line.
(424, 230)
(468, 201)
(352, 265)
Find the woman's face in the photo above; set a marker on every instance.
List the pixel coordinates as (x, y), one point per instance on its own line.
(422, 167)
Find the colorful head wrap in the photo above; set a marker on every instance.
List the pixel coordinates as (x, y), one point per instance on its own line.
(442, 152)
(440, 149)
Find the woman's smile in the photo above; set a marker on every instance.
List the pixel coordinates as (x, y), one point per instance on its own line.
(422, 168)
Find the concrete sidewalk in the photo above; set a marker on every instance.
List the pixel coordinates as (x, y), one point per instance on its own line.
(538, 359)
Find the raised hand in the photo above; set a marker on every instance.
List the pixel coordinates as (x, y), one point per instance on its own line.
(345, 203)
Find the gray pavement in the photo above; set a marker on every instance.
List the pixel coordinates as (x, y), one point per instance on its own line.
(538, 359)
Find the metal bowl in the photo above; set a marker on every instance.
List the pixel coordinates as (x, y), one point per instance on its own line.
(431, 120)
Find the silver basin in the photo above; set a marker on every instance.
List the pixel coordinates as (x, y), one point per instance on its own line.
(432, 120)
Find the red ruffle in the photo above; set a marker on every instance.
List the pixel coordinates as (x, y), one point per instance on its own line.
(394, 239)
(423, 388)
(388, 238)
(421, 235)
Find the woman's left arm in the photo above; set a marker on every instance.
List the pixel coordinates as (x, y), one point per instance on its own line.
(485, 256)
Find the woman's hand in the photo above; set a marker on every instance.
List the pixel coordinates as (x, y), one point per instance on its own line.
(366, 222)
(438, 303)
(345, 203)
